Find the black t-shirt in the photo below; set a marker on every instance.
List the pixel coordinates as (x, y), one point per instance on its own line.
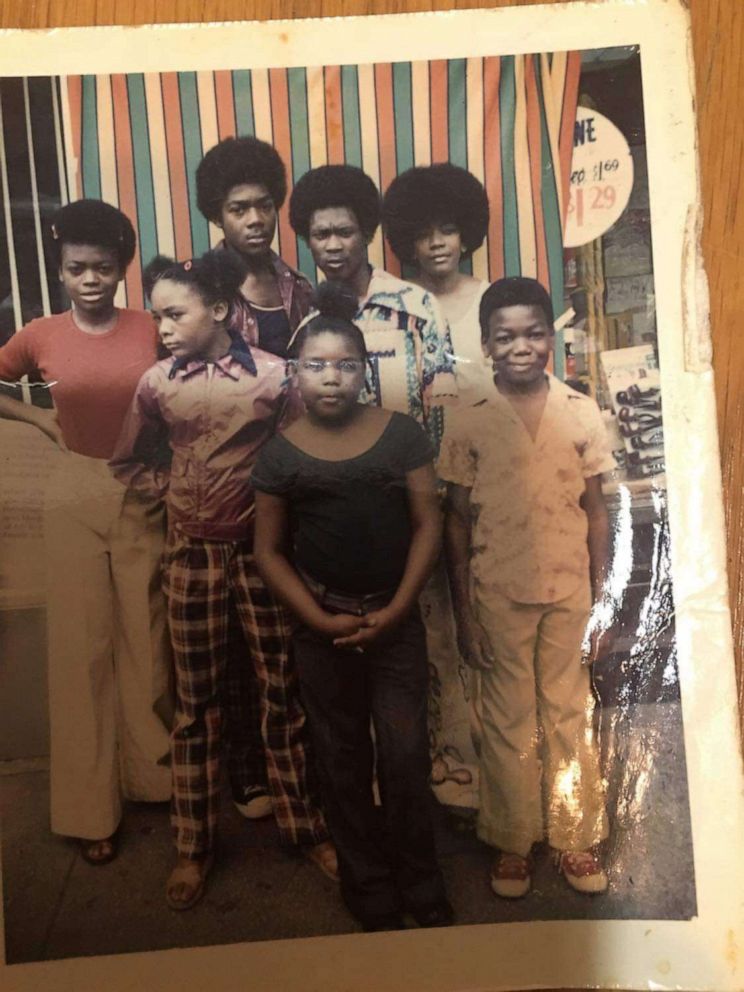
(274, 331)
(349, 519)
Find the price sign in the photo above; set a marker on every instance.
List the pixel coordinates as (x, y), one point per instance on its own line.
(601, 178)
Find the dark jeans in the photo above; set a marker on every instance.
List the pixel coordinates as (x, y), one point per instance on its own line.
(386, 863)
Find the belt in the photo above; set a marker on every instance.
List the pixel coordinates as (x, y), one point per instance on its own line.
(344, 602)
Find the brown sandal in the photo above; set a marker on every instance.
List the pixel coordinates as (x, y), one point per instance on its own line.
(192, 874)
(98, 852)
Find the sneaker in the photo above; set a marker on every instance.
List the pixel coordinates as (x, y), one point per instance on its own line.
(582, 871)
(253, 802)
(510, 875)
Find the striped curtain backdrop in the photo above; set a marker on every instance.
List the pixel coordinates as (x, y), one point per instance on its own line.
(135, 141)
(33, 184)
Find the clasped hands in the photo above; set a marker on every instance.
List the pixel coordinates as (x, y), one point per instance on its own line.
(357, 633)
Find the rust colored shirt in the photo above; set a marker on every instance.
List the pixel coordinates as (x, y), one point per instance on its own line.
(95, 375)
(215, 417)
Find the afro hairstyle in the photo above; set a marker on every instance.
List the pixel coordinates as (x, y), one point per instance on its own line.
(514, 291)
(335, 186)
(93, 222)
(434, 194)
(233, 162)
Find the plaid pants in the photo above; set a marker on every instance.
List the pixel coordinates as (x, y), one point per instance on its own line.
(240, 704)
(201, 579)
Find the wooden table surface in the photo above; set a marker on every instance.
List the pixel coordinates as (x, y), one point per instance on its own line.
(718, 40)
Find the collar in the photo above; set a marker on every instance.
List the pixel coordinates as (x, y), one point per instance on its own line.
(380, 281)
(387, 290)
(558, 392)
(238, 353)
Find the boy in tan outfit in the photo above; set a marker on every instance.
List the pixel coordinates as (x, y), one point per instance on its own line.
(528, 537)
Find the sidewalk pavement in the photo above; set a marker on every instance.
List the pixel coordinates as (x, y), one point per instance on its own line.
(58, 906)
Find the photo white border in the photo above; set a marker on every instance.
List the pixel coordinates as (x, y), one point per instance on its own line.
(703, 953)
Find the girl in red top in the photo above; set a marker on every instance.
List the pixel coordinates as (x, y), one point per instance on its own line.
(108, 647)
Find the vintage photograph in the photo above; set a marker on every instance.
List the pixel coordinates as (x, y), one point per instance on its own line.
(336, 582)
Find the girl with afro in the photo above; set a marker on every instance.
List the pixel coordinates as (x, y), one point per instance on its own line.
(435, 217)
(108, 647)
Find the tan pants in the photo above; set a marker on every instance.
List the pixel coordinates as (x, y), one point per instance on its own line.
(539, 763)
(452, 685)
(109, 653)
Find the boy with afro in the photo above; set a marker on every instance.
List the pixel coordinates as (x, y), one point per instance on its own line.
(336, 209)
(241, 184)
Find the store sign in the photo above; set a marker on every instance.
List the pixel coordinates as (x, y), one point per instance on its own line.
(601, 178)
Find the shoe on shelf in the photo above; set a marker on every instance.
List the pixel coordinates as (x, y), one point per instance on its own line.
(582, 870)
(253, 802)
(510, 875)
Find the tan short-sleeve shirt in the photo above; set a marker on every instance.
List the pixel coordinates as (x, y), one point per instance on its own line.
(529, 531)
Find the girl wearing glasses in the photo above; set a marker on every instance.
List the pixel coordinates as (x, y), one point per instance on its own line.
(348, 531)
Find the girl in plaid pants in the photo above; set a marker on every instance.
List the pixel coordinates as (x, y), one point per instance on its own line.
(216, 402)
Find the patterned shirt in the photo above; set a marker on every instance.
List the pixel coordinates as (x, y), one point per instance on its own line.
(529, 532)
(410, 351)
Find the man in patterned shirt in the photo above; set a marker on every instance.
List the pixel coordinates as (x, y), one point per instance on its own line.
(528, 536)
(336, 209)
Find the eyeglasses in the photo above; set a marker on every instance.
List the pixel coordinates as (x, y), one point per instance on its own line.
(346, 366)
